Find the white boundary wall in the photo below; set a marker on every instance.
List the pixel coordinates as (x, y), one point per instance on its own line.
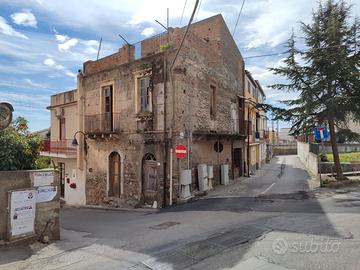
(310, 160)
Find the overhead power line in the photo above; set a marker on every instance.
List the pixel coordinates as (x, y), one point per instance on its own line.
(237, 21)
(264, 55)
(197, 12)
(185, 34)
(182, 14)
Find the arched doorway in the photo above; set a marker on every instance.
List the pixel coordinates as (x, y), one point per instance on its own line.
(149, 178)
(114, 175)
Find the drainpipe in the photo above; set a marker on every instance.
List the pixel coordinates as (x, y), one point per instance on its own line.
(81, 100)
(166, 141)
(248, 143)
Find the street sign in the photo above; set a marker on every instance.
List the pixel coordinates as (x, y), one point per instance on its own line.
(321, 133)
(181, 151)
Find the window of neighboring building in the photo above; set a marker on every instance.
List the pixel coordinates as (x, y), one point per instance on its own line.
(212, 101)
(62, 130)
(241, 103)
(249, 88)
(145, 94)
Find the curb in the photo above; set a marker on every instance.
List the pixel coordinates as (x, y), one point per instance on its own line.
(104, 208)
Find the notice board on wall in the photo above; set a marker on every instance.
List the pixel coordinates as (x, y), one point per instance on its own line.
(22, 212)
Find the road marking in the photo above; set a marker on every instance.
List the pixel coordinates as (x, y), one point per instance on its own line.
(268, 188)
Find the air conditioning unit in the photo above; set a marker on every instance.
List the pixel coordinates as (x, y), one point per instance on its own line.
(59, 112)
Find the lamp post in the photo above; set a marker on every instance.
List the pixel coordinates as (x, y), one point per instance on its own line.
(75, 142)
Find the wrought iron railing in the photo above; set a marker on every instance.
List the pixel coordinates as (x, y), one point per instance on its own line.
(102, 123)
(58, 147)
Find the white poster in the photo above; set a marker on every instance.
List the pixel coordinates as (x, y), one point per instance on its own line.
(45, 193)
(43, 178)
(22, 212)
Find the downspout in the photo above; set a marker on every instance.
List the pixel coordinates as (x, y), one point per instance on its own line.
(81, 100)
(166, 141)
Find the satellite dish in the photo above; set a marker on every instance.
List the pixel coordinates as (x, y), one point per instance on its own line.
(6, 110)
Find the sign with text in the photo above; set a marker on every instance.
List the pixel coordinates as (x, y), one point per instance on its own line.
(43, 178)
(45, 193)
(22, 212)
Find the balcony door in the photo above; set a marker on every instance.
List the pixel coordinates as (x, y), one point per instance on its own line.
(108, 108)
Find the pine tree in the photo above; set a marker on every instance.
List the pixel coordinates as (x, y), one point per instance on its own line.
(325, 74)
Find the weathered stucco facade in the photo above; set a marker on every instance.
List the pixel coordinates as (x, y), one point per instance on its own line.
(195, 102)
(132, 108)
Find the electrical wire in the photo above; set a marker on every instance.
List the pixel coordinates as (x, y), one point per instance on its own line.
(264, 55)
(182, 14)
(185, 34)
(237, 21)
(197, 12)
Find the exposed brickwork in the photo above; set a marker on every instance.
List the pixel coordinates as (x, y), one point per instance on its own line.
(124, 55)
(209, 57)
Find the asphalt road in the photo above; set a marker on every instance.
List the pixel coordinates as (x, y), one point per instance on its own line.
(273, 220)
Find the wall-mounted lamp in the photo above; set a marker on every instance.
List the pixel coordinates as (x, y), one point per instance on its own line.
(75, 142)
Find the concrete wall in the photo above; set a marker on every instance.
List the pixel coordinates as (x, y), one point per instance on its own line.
(285, 149)
(46, 212)
(309, 159)
(328, 167)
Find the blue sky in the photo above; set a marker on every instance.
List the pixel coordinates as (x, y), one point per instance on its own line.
(44, 43)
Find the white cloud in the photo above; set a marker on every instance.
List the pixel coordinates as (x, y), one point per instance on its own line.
(90, 42)
(147, 32)
(61, 38)
(34, 84)
(91, 46)
(67, 45)
(7, 29)
(24, 18)
(49, 62)
(273, 21)
(70, 74)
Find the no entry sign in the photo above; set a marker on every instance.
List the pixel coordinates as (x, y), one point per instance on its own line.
(181, 151)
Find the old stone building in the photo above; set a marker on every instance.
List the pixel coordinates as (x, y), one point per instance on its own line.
(136, 105)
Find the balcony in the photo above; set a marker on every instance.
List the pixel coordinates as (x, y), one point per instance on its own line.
(106, 123)
(63, 149)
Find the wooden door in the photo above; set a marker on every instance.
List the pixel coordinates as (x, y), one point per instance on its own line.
(149, 181)
(114, 175)
(237, 162)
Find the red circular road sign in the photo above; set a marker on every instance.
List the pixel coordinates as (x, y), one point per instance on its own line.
(181, 151)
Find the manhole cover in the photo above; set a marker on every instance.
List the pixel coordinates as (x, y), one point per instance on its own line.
(165, 225)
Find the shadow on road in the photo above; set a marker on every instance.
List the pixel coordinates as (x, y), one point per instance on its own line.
(186, 234)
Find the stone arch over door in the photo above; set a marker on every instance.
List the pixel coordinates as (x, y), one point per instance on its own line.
(115, 175)
(150, 179)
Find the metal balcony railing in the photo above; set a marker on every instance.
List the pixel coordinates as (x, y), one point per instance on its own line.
(105, 123)
(63, 147)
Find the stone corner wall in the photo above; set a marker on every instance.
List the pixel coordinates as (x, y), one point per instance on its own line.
(47, 226)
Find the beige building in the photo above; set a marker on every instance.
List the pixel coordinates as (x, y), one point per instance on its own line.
(64, 124)
(257, 123)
